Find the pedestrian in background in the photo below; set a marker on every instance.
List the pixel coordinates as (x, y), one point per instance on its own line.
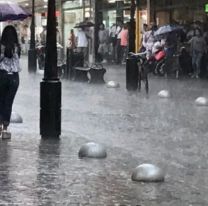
(198, 49)
(82, 43)
(43, 36)
(144, 29)
(124, 42)
(149, 39)
(113, 41)
(118, 43)
(58, 36)
(103, 36)
(9, 76)
(195, 30)
(72, 40)
(24, 38)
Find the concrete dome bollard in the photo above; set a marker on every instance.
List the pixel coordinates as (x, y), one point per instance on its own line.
(16, 118)
(148, 173)
(40, 71)
(164, 94)
(201, 101)
(113, 84)
(92, 150)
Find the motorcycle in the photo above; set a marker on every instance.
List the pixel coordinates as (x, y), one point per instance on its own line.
(156, 63)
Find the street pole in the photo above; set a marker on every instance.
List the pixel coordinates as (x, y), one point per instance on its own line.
(119, 11)
(132, 27)
(32, 62)
(50, 87)
(131, 64)
(90, 9)
(148, 12)
(83, 4)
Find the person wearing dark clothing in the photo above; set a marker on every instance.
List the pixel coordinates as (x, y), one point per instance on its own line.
(118, 43)
(185, 61)
(171, 43)
(9, 76)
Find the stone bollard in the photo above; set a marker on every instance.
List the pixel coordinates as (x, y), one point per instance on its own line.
(16, 118)
(164, 94)
(92, 150)
(113, 84)
(148, 173)
(201, 101)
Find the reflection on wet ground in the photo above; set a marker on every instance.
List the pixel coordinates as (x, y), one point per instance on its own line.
(135, 129)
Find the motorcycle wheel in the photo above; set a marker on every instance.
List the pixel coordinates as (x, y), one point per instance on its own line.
(160, 68)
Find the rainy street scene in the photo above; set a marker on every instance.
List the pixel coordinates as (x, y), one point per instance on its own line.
(103, 103)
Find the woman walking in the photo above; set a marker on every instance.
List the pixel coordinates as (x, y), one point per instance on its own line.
(9, 76)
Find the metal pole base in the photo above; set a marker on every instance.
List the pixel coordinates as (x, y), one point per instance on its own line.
(69, 64)
(50, 109)
(131, 74)
(32, 60)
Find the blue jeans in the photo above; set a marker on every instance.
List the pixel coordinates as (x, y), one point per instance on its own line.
(8, 87)
(196, 61)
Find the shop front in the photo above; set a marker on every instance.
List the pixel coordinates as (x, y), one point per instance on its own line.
(75, 12)
(164, 12)
(177, 11)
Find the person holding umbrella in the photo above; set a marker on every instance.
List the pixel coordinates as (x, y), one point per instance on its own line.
(9, 76)
(82, 43)
(149, 39)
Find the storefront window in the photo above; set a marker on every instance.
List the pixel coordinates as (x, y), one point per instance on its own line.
(73, 14)
(75, 4)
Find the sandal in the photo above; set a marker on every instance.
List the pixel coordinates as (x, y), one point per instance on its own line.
(5, 134)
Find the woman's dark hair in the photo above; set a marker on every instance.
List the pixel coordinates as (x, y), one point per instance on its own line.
(9, 39)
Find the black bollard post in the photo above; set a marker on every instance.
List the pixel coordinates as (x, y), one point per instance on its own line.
(69, 63)
(32, 59)
(50, 87)
(131, 66)
(131, 74)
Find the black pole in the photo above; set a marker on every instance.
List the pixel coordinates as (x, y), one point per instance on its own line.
(90, 9)
(83, 5)
(131, 64)
(32, 62)
(119, 11)
(50, 91)
(132, 27)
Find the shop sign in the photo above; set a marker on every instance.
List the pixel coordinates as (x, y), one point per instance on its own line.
(206, 7)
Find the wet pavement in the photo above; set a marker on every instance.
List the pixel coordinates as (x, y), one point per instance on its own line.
(135, 129)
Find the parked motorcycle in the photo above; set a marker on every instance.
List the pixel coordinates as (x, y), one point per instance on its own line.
(156, 63)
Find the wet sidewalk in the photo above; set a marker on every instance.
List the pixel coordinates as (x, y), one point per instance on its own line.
(135, 129)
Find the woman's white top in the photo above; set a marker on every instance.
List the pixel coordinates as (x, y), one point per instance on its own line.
(12, 64)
